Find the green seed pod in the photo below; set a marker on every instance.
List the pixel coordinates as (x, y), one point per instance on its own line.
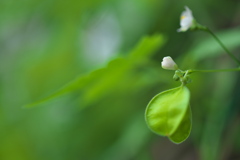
(186, 80)
(176, 77)
(169, 114)
(179, 73)
(189, 80)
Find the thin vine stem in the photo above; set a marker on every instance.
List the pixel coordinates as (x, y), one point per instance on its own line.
(222, 45)
(218, 70)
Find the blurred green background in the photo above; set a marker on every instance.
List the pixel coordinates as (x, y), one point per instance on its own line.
(102, 59)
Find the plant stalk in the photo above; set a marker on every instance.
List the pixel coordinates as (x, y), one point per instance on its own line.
(222, 45)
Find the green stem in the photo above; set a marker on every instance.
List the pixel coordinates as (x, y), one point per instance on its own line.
(222, 45)
(218, 70)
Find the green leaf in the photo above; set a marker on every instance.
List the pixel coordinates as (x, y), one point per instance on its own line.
(169, 114)
(70, 87)
(103, 80)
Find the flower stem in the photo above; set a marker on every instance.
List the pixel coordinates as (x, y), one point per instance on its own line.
(222, 45)
(218, 70)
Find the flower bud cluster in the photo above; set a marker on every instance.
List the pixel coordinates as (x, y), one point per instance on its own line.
(182, 76)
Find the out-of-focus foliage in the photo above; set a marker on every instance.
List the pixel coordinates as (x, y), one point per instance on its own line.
(105, 80)
(98, 64)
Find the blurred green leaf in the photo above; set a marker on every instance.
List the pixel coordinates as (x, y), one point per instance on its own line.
(102, 80)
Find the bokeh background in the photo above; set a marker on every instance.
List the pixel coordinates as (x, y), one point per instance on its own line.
(100, 63)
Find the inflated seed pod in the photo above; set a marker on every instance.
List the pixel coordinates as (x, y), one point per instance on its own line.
(169, 114)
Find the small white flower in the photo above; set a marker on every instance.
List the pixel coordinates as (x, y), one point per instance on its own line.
(186, 20)
(169, 64)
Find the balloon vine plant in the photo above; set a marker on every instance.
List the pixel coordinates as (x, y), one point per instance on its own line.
(169, 113)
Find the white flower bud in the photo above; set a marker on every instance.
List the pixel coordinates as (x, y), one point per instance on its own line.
(186, 20)
(169, 64)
